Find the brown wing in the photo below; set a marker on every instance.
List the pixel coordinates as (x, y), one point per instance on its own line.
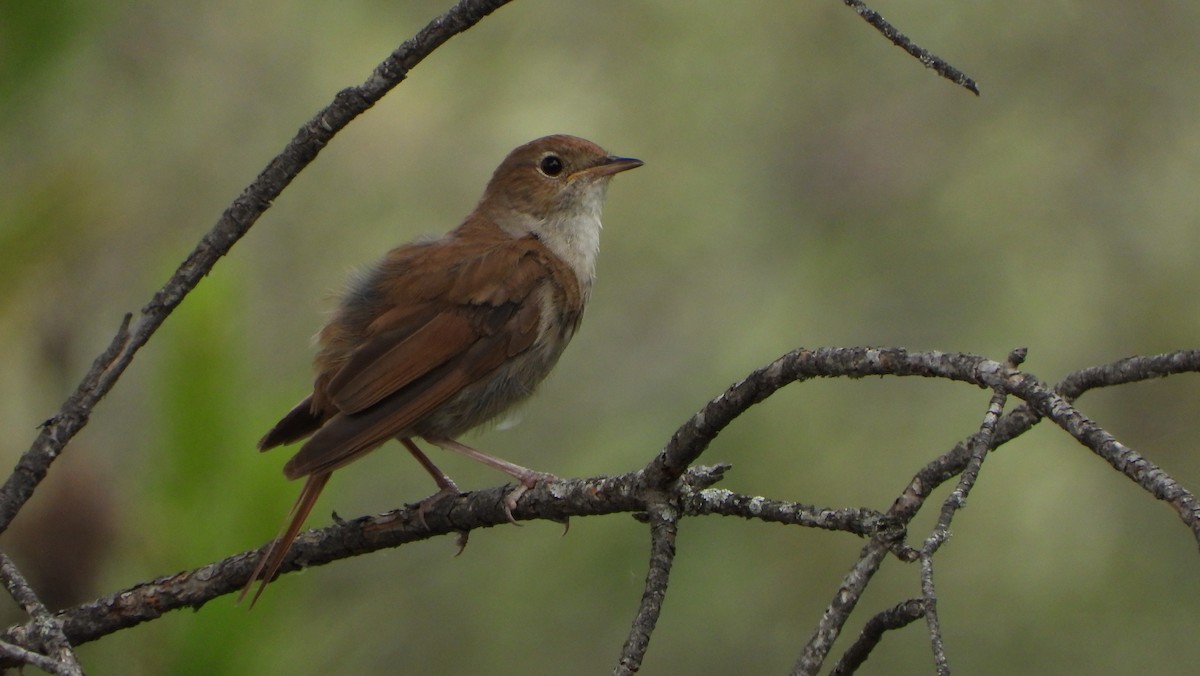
(394, 359)
(301, 421)
(473, 298)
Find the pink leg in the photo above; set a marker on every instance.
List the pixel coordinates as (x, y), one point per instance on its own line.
(526, 477)
(446, 485)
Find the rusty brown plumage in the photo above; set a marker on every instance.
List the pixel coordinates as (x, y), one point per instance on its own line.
(443, 335)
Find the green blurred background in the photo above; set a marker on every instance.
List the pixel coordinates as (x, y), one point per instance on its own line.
(806, 184)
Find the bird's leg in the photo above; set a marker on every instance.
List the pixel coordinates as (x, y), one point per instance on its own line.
(526, 478)
(446, 485)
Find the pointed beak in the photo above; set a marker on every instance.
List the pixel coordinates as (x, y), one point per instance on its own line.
(612, 165)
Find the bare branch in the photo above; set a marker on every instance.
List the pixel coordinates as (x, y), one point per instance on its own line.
(952, 462)
(46, 628)
(664, 526)
(941, 531)
(1022, 418)
(897, 617)
(690, 440)
(1125, 460)
(838, 611)
(933, 61)
(346, 538)
(727, 503)
(688, 494)
(979, 448)
(929, 593)
(1129, 370)
(15, 654)
(1043, 401)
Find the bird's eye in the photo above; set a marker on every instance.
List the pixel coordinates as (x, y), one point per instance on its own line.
(551, 165)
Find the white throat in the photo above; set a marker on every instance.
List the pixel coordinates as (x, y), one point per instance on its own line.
(576, 240)
(571, 234)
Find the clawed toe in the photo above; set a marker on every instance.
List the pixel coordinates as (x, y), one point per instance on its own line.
(510, 502)
(428, 503)
(527, 481)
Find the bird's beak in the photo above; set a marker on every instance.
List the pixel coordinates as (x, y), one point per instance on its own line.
(611, 165)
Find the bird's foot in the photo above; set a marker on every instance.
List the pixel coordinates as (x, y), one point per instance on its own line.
(528, 479)
(447, 491)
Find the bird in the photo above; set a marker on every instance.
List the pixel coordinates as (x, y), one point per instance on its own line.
(443, 335)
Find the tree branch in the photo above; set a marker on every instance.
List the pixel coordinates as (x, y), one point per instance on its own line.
(845, 599)
(897, 617)
(664, 526)
(1125, 460)
(957, 499)
(688, 494)
(952, 462)
(346, 538)
(939, 65)
(859, 521)
(46, 629)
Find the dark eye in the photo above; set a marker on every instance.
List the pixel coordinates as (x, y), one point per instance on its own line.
(551, 165)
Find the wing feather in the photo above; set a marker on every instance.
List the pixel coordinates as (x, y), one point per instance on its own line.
(345, 437)
(393, 359)
(447, 329)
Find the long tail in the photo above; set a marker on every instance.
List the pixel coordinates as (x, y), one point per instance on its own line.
(269, 564)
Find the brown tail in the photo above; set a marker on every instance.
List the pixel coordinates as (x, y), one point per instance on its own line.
(269, 564)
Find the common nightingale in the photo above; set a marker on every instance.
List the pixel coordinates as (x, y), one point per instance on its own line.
(443, 335)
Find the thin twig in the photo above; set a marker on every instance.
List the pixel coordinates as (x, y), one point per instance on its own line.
(929, 594)
(859, 521)
(1022, 418)
(1128, 370)
(966, 479)
(693, 437)
(980, 443)
(664, 526)
(948, 465)
(941, 531)
(839, 609)
(15, 654)
(46, 629)
(930, 60)
(1125, 460)
(897, 617)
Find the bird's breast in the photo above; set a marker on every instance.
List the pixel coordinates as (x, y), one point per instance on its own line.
(517, 378)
